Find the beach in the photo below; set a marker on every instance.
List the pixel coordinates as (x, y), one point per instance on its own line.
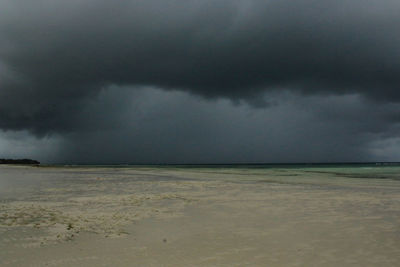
(199, 216)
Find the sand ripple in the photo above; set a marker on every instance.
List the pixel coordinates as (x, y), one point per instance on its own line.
(106, 215)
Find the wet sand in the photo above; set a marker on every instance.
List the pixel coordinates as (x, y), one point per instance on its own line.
(199, 217)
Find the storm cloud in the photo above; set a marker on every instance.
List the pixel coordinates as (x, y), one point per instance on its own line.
(56, 54)
(58, 59)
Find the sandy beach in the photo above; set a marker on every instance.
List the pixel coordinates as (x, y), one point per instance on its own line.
(149, 216)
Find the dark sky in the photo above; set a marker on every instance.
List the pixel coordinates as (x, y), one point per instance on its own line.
(187, 81)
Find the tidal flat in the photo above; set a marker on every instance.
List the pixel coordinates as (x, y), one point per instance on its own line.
(199, 216)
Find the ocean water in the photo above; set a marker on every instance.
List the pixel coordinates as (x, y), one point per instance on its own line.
(21, 181)
(31, 176)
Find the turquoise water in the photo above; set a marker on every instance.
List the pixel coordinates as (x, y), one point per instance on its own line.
(389, 170)
(21, 180)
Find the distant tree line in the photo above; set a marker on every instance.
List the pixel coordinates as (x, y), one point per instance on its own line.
(19, 161)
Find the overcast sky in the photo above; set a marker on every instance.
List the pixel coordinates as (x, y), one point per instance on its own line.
(185, 81)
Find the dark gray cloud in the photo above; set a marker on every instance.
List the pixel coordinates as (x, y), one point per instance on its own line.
(76, 73)
(148, 125)
(155, 126)
(57, 55)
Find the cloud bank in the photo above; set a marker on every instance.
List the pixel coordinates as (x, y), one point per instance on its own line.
(56, 55)
(58, 59)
